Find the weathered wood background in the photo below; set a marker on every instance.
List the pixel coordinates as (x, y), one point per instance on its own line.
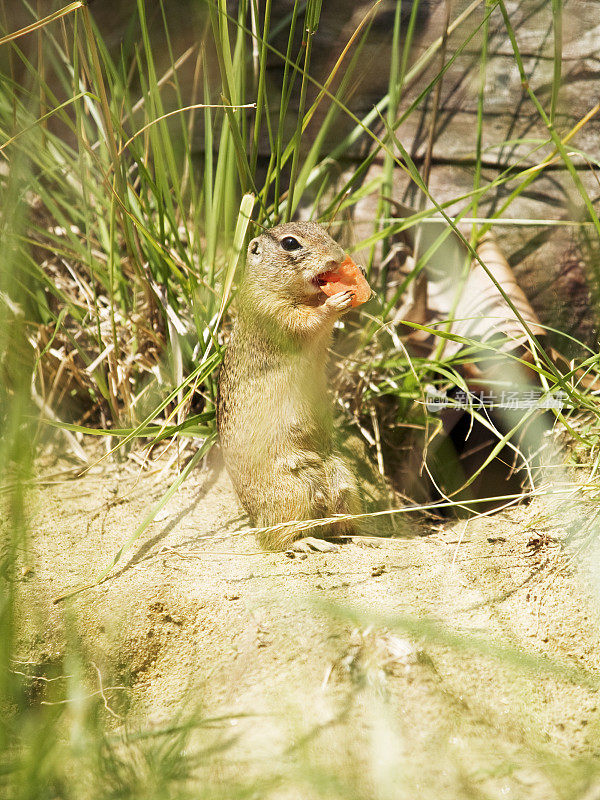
(557, 266)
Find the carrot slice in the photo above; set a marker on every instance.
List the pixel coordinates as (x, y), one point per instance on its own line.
(346, 276)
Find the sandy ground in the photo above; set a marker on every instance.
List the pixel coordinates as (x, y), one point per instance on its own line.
(330, 671)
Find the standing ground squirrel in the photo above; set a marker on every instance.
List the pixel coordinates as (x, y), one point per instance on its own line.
(274, 413)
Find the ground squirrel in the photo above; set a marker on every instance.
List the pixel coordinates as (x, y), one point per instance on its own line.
(274, 413)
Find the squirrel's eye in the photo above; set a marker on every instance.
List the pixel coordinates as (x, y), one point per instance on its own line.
(290, 243)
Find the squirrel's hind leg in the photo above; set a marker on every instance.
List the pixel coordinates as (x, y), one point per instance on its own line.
(337, 493)
(345, 496)
(305, 494)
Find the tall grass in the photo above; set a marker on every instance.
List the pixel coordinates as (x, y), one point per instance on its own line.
(126, 251)
(120, 255)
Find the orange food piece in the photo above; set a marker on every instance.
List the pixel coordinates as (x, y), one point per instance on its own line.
(346, 276)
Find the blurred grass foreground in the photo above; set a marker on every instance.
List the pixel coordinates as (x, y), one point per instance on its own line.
(141, 145)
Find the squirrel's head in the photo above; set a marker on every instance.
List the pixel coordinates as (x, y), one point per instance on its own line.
(286, 261)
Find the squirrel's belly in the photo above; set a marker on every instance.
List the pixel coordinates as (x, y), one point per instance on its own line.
(265, 434)
(280, 436)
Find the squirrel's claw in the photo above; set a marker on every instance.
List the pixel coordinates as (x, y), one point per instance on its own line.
(310, 544)
(341, 301)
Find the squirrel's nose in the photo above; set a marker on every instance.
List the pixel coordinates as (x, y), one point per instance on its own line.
(331, 262)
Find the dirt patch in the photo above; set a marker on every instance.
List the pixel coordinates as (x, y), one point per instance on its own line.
(300, 657)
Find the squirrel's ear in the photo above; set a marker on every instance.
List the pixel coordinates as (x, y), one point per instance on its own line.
(254, 246)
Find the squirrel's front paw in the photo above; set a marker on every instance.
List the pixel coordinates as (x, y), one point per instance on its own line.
(339, 302)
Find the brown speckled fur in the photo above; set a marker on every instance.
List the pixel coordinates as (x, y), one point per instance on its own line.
(274, 413)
